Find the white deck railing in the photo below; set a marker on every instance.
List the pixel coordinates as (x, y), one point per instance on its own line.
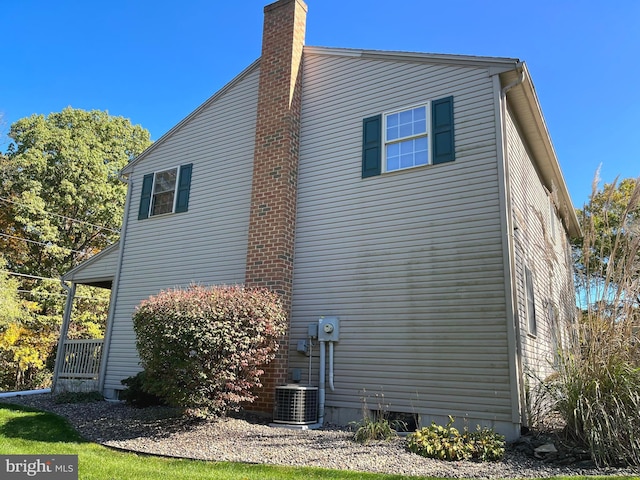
(81, 359)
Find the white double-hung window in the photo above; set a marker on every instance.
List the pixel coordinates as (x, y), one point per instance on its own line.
(406, 142)
(164, 189)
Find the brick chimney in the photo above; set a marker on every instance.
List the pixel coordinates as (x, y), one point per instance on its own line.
(275, 169)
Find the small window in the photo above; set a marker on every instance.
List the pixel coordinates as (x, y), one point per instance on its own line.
(165, 191)
(552, 219)
(530, 302)
(555, 333)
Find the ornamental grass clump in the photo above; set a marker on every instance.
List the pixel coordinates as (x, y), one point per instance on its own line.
(596, 389)
(376, 425)
(204, 348)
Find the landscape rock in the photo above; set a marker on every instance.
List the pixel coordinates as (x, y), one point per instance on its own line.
(247, 438)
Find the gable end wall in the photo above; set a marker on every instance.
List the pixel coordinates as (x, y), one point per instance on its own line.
(208, 243)
(411, 261)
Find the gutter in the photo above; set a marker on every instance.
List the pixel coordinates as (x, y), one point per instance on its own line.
(545, 155)
(513, 327)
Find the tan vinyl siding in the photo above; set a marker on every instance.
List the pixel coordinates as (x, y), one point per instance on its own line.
(545, 251)
(411, 261)
(205, 245)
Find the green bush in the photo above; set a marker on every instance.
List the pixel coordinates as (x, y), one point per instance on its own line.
(203, 348)
(487, 445)
(447, 443)
(135, 393)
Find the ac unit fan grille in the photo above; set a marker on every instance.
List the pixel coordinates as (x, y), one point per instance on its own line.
(295, 404)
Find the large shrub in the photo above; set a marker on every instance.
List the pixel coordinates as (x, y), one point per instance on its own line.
(600, 403)
(204, 348)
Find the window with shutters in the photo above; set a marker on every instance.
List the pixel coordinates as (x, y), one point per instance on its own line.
(165, 191)
(409, 137)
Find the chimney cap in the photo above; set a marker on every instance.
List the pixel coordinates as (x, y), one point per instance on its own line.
(282, 3)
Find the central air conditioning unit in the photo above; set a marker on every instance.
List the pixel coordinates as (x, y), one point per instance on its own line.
(296, 405)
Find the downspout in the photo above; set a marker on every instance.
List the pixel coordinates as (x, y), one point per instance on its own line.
(114, 287)
(514, 330)
(64, 330)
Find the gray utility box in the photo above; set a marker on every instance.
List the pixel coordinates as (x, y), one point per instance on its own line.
(328, 329)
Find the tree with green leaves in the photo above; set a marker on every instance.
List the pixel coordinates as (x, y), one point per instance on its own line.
(62, 202)
(61, 197)
(25, 338)
(607, 258)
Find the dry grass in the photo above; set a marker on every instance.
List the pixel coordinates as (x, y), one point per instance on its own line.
(597, 386)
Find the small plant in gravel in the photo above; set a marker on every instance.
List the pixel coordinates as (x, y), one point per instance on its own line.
(204, 348)
(375, 425)
(448, 443)
(486, 444)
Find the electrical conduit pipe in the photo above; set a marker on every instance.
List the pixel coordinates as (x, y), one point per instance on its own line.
(322, 379)
(321, 382)
(331, 366)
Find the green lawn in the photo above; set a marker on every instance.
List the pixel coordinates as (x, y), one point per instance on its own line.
(29, 432)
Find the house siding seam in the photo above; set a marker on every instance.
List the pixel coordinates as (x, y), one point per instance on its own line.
(275, 170)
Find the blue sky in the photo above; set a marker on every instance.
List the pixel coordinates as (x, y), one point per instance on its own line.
(156, 61)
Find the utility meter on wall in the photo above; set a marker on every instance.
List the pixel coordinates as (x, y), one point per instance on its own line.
(328, 329)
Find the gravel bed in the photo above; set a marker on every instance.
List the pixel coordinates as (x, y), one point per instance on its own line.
(251, 440)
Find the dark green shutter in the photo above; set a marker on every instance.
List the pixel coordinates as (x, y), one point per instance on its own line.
(531, 302)
(184, 186)
(371, 146)
(145, 199)
(442, 141)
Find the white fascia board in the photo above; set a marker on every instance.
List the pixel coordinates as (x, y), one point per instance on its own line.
(499, 64)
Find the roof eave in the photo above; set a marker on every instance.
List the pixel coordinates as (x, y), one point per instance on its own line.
(501, 63)
(70, 275)
(524, 101)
